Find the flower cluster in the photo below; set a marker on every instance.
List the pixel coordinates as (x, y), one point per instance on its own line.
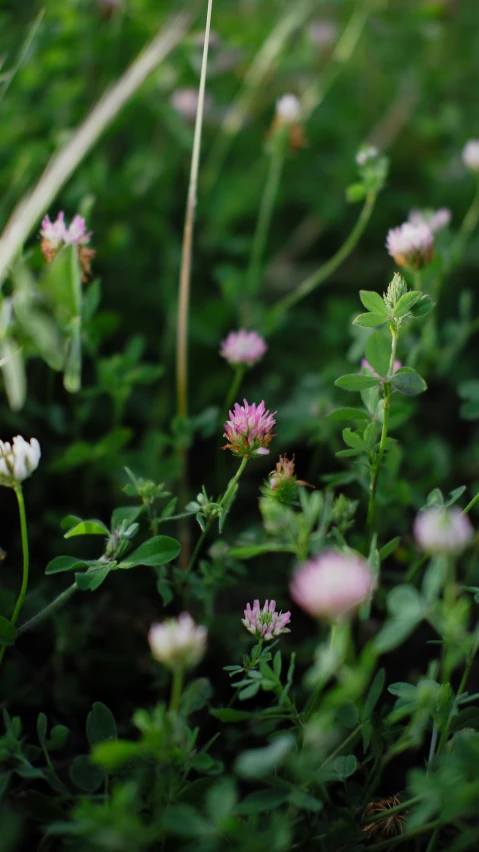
(265, 623)
(18, 460)
(441, 530)
(178, 643)
(436, 220)
(332, 586)
(411, 245)
(243, 347)
(249, 430)
(55, 235)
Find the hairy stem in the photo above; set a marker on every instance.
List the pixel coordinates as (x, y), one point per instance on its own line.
(48, 610)
(384, 431)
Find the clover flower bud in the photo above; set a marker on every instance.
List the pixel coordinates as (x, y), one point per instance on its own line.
(18, 460)
(397, 287)
(178, 643)
(332, 586)
(436, 219)
(443, 530)
(470, 155)
(411, 246)
(365, 363)
(365, 154)
(288, 109)
(249, 430)
(55, 235)
(265, 623)
(243, 347)
(282, 484)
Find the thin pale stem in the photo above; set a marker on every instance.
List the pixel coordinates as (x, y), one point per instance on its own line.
(26, 561)
(331, 265)
(187, 248)
(384, 432)
(268, 200)
(48, 610)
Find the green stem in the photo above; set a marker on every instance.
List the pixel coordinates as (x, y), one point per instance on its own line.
(396, 810)
(327, 269)
(224, 499)
(268, 200)
(48, 610)
(465, 676)
(471, 504)
(176, 690)
(403, 838)
(233, 390)
(384, 431)
(26, 561)
(311, 704)
(468, 225)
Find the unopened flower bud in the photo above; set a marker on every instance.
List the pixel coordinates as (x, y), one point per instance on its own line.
(55, 235)
(178, 643)
(18, 460)
(332, 586)
(265, 623)
(443, 530)
(470, 155)
(397, 287)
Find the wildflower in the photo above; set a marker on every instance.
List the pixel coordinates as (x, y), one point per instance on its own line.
(18, 460)
(249, 430)
(436, 219)
(55, 235)
(243, 347)
(441, 530)
(178, 643)
(265, 623)
(470, 155)
(365, 363)
(288, 109)
(411, 245)
(283, 481)
(368, 152)
(387, 826)
(332, 586)
(185, 102)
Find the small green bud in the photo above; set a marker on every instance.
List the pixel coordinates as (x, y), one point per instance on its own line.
(396, 289)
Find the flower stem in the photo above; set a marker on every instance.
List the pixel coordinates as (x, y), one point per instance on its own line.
(270, 193)
(469, 223)
(233, 390)
(384, 431)
(48, 610)
(176, 690)
(471, 504)
(327, 269)
(26, 561)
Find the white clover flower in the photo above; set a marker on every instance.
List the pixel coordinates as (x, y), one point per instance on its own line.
(411, 246)
(368, 152)
(470, 155)
(178, 643)
(436, 219)
(18, 460)
(288, 109)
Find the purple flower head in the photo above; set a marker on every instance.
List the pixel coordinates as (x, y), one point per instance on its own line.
(411, 245)
(441, 530)
(249, 430)
(243, 347)
(470, 155)
(265, 623)
(76, 233)
(333, 585)
(54, 233)
(365, 363)
(436, 219)
(178, 643)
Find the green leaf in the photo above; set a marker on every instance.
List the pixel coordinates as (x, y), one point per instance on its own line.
(260, 761)
(378, 353)
(374, 693)
(228, 715)
(356, 382)
(92, 579)
(349, 413)
(248, 551)
(262, 800)
(125, 513)
(92, 527)
(156, 551)
(196, 695)
(355, 192)
(353, 440)
(42, 725)
(58, 737)
(345, 765)
(370, 320)
(423, 307)
(184, 821)
(248, 692)
(113, 753)
(8, 633)
(100, 724)
(85, 774)
(346, 454)
(389, 548)
(406, 303)
(304, 801)
(372, 301)
(407, 381)
(72, 563)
